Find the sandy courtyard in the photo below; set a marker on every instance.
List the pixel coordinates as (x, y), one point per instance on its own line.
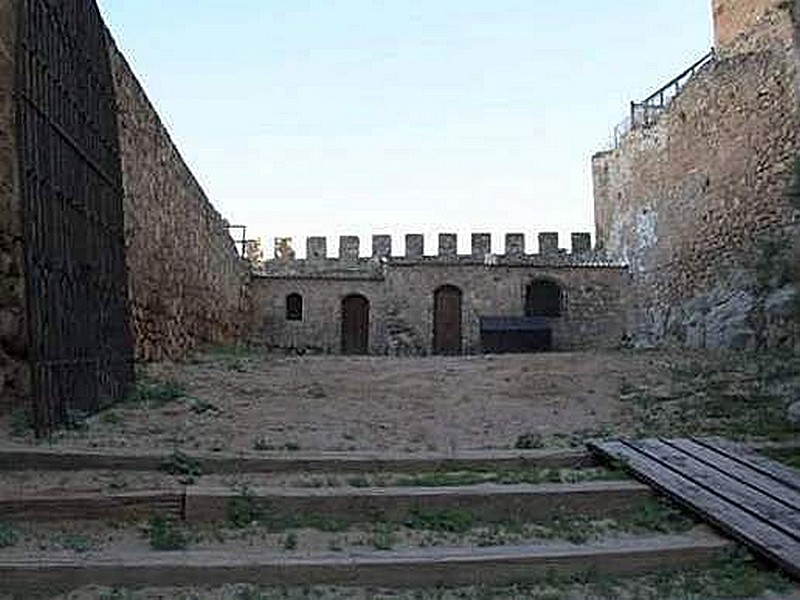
(256, 401)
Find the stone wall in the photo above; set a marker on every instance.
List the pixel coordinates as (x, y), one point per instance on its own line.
(696, 203)
(735, 18)
(187, 282)
(401, 290)
(14, 382)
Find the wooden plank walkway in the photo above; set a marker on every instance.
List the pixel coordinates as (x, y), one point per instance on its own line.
(750, 497)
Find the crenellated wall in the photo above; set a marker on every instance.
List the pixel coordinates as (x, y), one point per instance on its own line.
(14, 382)
(481, 250)
(400, 291)
(696, 203)
(187, 281)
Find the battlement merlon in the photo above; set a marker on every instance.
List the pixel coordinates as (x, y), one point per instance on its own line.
(316, 248)
(415, 245)
(481, 248)
(515, 244)
(349, 247)
(481, 245)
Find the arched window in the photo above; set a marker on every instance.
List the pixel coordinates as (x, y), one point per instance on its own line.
(544, 298)
(294, 307)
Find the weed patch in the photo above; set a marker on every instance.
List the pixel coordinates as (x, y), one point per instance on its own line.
(111, 417)
(76, 543)
(657, 515)
(290, 543)
(165, 534)
(8, 536)
(186, 468)
(22, 422)
(153, 394)
(201, 407)
(243, 508)
(534, 476)
(262, 444)
(790, 458)
(383, 536)
(529, 441)
(115, 594)
(443, 521)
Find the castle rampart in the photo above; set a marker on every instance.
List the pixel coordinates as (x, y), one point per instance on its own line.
(481, 248)
(696, 202)
(401, 294)
(736, 20)
(187, 283)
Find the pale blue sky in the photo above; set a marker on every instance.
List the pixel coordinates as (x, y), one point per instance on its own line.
(358, 116)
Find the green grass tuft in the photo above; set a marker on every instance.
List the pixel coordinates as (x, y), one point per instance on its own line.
(167, 535)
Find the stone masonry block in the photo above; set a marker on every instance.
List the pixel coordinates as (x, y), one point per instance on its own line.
(415, 245)
(581, 243)
(448, 244)
(316, 248)
(481, 245)
(381, 246)
(348, 247)
(515, 244)
(548, 243)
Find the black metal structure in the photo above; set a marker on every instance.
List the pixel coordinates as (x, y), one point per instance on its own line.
(81, 351)
(509, 335)
(646, 112)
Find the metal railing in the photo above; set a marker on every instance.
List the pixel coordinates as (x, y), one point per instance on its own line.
(646, 112)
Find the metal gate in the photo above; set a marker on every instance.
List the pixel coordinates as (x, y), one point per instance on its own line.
(81, 351)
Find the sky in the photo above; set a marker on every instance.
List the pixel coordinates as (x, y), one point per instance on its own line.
(354, 117)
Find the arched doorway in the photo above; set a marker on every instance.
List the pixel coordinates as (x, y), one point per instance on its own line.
(544, 299)
(447, 320)
(355, 325)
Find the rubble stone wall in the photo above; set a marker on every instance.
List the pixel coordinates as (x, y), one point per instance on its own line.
(696, 204)
(14, 375)
(401, 297)
(187, 282)
(735, 18)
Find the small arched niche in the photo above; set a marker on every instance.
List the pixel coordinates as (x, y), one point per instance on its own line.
(294, 307)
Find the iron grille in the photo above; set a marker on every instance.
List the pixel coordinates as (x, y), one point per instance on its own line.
(81, 351)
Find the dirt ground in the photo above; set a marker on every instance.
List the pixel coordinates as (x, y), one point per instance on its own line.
(250, 401)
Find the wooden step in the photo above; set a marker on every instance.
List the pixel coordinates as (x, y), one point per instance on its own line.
(418, 568)
(488, 502)
(19, 458)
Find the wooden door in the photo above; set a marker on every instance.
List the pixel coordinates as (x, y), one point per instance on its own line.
(447, 320)
(355, 325)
